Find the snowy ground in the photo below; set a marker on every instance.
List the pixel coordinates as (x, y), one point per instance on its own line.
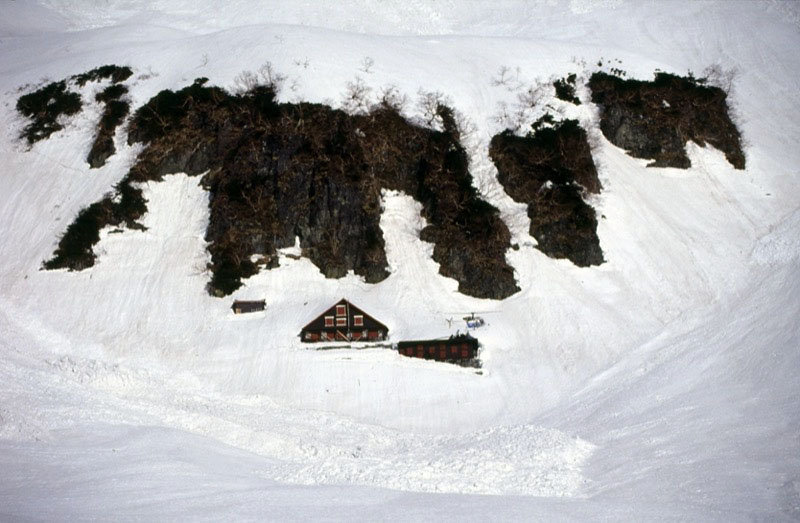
(661, 385)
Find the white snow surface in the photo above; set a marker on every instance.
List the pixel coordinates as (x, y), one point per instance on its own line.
(661, 385)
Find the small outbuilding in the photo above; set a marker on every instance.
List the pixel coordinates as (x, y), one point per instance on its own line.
(242, 306)
(344, 322)
(461, 349)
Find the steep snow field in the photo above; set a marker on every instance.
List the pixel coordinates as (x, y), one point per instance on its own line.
(664, 384)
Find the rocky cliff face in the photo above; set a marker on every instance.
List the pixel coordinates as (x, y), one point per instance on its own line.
(654, 120)
(550, 169)
(276, 172)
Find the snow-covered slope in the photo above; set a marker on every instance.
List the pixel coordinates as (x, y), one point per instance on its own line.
(662, 384)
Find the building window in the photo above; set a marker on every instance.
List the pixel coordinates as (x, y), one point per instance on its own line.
(341, 322)
(341, 310)
(329, 321)
(358, 320)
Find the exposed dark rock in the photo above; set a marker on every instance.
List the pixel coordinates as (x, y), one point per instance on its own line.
(114, 114)
(565, 89)
(44, 107)
(53, 101)
(115, 73)
(280, 171)
(549, 169)
(470, 238)
(75, 248)
(654, 120)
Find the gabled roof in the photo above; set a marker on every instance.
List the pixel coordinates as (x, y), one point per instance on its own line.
(369, 321)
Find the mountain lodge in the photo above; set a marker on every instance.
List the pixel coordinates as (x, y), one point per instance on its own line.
(344, 322)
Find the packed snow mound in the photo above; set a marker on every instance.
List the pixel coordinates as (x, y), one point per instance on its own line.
(661, 384)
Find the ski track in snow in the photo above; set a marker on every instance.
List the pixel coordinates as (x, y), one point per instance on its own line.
(660, 385)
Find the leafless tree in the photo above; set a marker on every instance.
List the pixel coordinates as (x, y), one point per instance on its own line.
(428, 103)
(502, 77)
(391, 98)
(356, 97)
(718, 76)
(366, 64)
(271, 78)
(267, 76)
(244, 82)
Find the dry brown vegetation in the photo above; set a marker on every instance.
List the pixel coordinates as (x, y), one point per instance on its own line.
(44, 107)
(55, 101)
(114, 112)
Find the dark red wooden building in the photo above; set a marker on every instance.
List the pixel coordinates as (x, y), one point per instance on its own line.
(344, 322)
(455, 349)
(243, 306)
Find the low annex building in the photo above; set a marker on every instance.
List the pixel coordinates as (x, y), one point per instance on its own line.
(344, 322)
(244, 306)
(459, 349)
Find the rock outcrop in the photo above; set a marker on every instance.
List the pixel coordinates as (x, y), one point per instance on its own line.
(550, 169)
(115, 111)
(276, 172)
(654, 120)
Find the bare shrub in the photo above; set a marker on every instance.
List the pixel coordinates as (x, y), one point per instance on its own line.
(519, 114)
(502, 76)
(356, 97)
(466, 127)
(718, 76)
(532, 96)
(428, 104)
(244, 82)
(271, 78)
(508, 78)
(501, 116)
(391, 98)
(247, 81)
(366, 64)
